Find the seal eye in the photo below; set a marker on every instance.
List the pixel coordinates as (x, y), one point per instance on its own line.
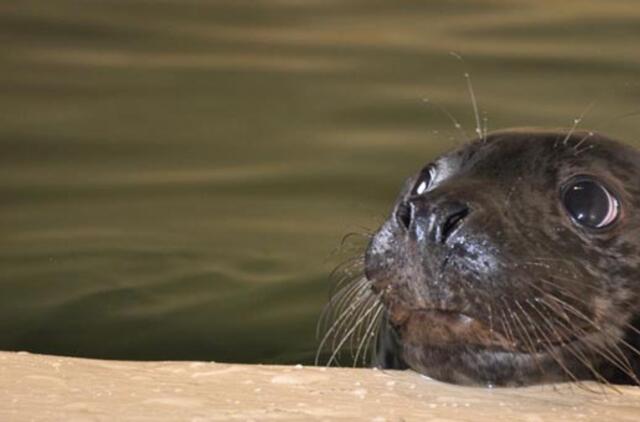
(590, 204)
(423, 183)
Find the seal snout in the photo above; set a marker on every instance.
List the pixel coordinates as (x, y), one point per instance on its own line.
(380, 257)
(437, 220)
(449, 218)
(404, 214)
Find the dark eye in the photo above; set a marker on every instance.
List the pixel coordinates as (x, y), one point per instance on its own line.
(423, 182)
(589, 203)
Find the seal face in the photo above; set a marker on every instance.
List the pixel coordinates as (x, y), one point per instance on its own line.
(514, 260)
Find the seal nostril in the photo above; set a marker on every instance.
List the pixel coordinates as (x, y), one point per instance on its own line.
(404, 214)
(452, 222)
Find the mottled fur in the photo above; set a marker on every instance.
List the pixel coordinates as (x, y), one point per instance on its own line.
(518, 293)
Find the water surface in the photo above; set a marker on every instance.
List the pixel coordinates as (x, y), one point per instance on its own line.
(175, 175)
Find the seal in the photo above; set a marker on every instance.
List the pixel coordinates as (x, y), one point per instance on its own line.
(512, 260)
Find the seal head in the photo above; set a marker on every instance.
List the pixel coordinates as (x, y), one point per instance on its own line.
(514, 260)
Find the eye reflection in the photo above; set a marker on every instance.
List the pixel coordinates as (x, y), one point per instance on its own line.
(423, 183)
(589, 203)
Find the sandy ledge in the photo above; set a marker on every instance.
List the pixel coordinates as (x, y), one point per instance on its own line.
(37, 387)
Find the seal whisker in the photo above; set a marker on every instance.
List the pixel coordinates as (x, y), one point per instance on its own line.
(343, 315)
(506, 327)
(490, 316)
(366, 235)
(346, 336)
(577, 121)
(344, 288)
(347, 270)
(485, 129)
(373, 336)
(346, 295)
(632, 328)
(584, 138)
(615, 355)
(359, 333)
(564, 291)
(359, 302)
(362, 301)
(330, 333)
(617, 358)
(616, 352)
(370, 325)
(562, 334)
(338, 301)
(584, 149)
(609, 351)
(474, 103)
(451, 117)
(528, 339)
(350, 271)
(548, 345)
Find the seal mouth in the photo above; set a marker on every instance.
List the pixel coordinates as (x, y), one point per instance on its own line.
(446, 327)
(431, 327)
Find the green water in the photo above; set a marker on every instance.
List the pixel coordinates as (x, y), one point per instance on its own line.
(174, 175)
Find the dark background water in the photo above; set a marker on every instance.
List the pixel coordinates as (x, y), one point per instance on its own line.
(174, 175)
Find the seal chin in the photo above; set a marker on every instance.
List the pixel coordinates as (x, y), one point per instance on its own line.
(469, 363)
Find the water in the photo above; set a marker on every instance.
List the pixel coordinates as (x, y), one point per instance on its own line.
(174, 175)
